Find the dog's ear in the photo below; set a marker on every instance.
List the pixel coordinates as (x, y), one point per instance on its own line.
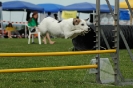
(76, 21)
(87, 19)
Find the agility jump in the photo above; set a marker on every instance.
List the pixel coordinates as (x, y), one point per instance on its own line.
(47, 69)
(52, 54)
(56, 53)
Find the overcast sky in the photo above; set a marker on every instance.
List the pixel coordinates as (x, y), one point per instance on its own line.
(19, 15)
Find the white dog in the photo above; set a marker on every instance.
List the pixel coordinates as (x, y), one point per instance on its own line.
(68, 28)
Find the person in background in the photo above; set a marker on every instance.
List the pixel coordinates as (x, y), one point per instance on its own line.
(0, 31)
(47, 35)
(9, 29)
(77, 17)
(32, 22)
(56, 16)
(15, 33)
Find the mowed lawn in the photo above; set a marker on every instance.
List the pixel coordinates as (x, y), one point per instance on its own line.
(52, 79)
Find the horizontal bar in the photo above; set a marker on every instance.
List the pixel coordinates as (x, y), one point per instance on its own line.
(47, 69)
(56, 53)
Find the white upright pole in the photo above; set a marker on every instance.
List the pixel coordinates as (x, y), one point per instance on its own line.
(44, 14)
(79, 14)
(10, 17)
(25, 26)
(23, 16)
(40, 17)
(59, 16)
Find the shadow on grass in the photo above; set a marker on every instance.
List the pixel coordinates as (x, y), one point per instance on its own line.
(4, 63)
(59, 81)
(38, 81)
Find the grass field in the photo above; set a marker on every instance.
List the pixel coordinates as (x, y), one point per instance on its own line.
(52, 79)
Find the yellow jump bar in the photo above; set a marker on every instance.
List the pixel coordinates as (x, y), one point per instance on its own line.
(47, 69)
(56, 53)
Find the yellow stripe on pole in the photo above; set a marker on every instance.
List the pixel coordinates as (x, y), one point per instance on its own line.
(47, 69)
(55, 53)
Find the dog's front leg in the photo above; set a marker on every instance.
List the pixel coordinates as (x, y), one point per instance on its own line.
(71, 33)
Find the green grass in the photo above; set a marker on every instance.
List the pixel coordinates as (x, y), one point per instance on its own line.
(52, 79)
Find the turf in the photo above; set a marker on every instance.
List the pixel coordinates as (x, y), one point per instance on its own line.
(52, 79)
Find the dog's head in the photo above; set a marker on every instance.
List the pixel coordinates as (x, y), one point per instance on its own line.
(80, 24)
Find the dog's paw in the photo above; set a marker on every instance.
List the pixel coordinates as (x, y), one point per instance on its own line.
(84, 32)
